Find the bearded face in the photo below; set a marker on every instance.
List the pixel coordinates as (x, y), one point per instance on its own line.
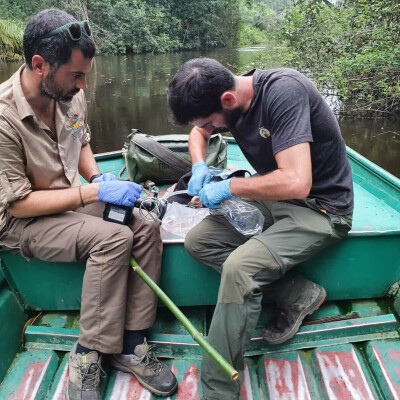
(232, 116)
(49, 87)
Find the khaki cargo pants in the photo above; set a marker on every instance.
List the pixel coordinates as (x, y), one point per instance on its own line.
(114, 298)
(253, 268)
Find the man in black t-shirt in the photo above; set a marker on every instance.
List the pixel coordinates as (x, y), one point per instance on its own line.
(292, 139)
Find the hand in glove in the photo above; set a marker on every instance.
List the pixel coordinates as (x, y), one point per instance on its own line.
(108, 176)
(212, 194)
(200, 177)
(119, 192)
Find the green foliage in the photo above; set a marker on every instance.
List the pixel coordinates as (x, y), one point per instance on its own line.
(11, 33)
(133, 26)
(250, 35)
(279, 6)
(259, 23)
(351, 47)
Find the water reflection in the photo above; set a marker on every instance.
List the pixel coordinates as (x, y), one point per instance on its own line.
(126, 92)
(377, 139)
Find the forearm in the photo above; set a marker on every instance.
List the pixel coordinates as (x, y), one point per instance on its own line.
(291, 180)
(47, 202)
(87, 166)
(277, 185)
(197, 145)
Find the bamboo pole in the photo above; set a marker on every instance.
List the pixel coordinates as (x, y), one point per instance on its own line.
(196, 335)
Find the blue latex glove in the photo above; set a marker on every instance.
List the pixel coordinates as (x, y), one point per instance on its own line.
(200, 177)
(213, 193)
(108, 176)
(119, 192)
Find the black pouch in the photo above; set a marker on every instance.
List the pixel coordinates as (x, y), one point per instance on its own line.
(184, 182)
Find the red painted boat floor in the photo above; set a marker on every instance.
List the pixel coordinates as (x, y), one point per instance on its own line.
(337, 372)
(358, 368)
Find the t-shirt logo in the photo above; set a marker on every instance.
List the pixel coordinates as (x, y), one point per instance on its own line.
(74, 121)
(264, 133)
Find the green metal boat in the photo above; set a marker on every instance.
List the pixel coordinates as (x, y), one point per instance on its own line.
(349, 349)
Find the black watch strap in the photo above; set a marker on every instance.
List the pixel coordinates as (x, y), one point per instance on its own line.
(94, 177)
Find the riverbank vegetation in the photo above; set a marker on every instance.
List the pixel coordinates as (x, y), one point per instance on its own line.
(350, 48)
(11, 33)
(135, 26)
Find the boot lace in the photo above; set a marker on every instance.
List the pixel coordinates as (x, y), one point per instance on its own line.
(89, 374)
(150, 360)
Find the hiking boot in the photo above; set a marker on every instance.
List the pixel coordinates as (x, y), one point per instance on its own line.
(286, 322)
(151, 373)
(84, 375)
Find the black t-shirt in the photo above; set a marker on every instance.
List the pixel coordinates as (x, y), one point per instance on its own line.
(286, 110)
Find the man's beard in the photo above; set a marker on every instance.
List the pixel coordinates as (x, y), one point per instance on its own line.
(232, 116)
(49, 88)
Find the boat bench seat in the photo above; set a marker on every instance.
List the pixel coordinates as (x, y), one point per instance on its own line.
(363, 266)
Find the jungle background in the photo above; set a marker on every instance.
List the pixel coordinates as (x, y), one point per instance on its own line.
(350, 48)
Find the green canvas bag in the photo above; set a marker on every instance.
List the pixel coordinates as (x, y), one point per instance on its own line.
(164, 159)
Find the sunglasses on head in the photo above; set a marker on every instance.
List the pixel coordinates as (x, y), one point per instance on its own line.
(73, 28)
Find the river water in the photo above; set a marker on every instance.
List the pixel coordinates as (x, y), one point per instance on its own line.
(126, 92)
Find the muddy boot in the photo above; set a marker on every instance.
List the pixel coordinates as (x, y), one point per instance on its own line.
(286, 322)
(151, 373)
(84, 375)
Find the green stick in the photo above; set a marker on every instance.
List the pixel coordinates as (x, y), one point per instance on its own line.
(196, 335)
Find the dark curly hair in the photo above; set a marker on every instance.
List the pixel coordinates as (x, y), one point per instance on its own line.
(195, 90)
(57, 49)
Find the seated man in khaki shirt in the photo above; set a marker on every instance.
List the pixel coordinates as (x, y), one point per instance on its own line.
(46, 214)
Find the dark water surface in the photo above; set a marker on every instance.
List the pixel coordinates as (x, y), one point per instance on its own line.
(126, 92)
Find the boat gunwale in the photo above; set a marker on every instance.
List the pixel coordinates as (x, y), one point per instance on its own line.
(373, 168)
(355, 156)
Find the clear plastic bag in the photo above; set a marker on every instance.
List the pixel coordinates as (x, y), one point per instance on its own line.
(245, 217)
(218, 174)
(179, 219)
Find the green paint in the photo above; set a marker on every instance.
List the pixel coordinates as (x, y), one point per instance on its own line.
(365, 308)
(347, 348)
(167, 324)
(293, 359)
(254, 381)
(328, 309)
(309, 336)
(225, 366)
(13, 319)
(58, 375)
(373, 255)
(44, 285)
(185, 351)
(388, 352)
(25, 368)
(55, 336)
(365, 266)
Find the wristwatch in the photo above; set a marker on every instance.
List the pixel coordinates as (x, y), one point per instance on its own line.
(94, 177)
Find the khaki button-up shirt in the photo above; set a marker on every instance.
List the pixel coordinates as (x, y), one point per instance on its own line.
(31, 158)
